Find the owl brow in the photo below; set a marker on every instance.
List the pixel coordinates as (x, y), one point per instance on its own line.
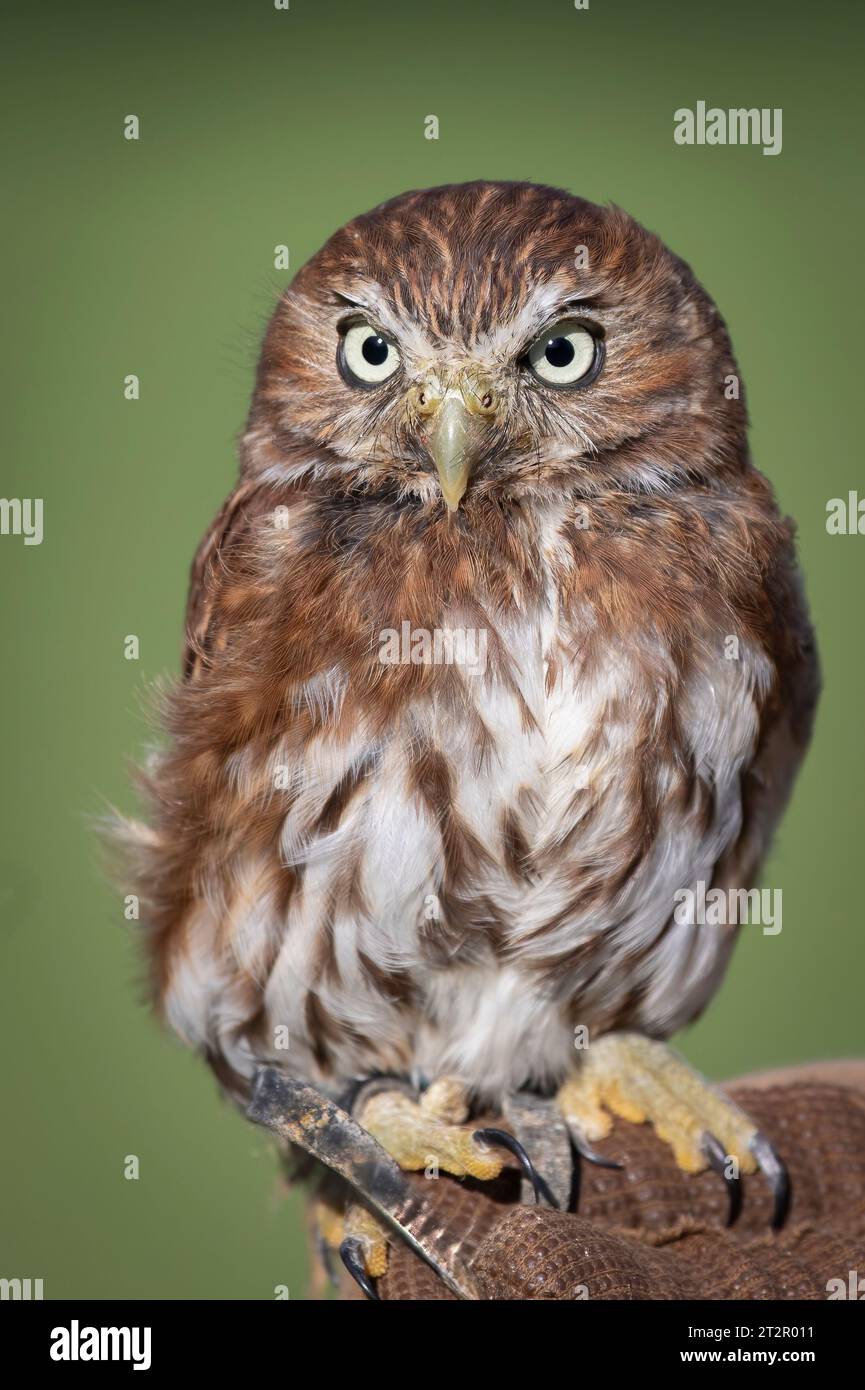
(569, 308)
(367, 310)
(350, 299)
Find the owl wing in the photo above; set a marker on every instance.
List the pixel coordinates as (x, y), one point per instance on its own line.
(785, 726)
(222, 542)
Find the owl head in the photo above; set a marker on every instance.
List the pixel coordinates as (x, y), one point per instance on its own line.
(495, 341)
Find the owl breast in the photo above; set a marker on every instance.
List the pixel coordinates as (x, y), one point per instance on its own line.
(495, 870)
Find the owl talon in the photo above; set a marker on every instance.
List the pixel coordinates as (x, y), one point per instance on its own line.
(513, 1145)
(719, 1163)
(776, 1175)
(351, 1254)
(585, 1150)
(643, 1081)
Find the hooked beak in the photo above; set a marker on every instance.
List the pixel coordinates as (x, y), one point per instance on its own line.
(456, 430)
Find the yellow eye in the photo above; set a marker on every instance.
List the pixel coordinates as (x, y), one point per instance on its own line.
(566, 354)
(364, 357)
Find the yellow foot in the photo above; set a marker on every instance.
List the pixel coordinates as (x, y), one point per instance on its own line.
(357, 1236)
(429, 1134)
(642, 1081)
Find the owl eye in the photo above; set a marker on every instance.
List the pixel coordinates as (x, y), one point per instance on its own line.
(566, 355)
(364, 357)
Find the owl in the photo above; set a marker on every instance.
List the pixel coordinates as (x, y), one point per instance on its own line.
(496, 655)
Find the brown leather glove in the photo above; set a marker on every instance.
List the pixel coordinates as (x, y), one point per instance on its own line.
(648, 1231)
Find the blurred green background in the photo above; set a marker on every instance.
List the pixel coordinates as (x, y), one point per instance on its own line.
(261, 127)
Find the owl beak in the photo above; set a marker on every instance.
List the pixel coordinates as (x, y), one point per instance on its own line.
(454, 435)
(450, 442)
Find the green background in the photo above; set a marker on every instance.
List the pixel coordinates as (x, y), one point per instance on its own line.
(261, 127)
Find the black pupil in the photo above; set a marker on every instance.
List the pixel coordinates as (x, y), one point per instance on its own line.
(374, 350)
(560, 352)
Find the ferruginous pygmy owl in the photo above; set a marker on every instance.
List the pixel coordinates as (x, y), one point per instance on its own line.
(497, 647)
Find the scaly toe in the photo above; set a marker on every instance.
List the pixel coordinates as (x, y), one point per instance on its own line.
(641, 1080)
(363, 1228)
(359, 1238)
(417, 1139)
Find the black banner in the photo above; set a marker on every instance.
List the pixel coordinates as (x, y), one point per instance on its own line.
(62, 1338)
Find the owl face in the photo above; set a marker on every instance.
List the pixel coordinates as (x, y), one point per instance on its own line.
(495, 340)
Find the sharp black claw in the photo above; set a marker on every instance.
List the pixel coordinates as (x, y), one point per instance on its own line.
(776, 1175)
(351, 1254)
(513, 1145)
(585, 1150)
(719, 1162)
